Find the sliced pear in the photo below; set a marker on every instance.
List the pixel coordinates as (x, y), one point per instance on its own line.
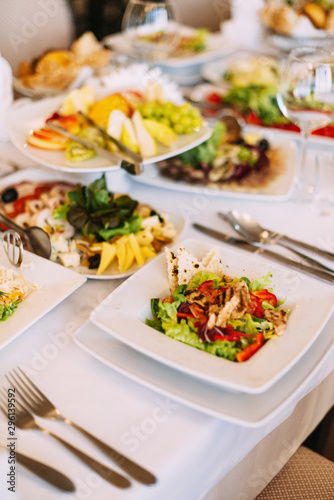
(161, 132)
(128, 135)
(108, 254)
(147, 145)
(115, 124)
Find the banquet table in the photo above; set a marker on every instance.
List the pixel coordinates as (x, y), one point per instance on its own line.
(194, 455)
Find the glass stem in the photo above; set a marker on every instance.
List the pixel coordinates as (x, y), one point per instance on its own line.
(302, 180)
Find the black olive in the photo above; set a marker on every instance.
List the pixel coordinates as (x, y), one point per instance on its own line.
(94, 261)
(263, 144)
(9, 195)
(153, 212)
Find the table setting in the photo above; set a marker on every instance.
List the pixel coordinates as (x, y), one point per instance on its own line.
(166, 260)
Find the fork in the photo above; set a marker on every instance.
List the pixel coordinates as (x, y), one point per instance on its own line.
(39, 404)
(13, 246)
(24, 420)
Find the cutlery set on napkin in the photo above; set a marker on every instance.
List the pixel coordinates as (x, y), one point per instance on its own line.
(255, 238)
(29, 401)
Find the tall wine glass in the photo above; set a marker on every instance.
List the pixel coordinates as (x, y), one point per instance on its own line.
(151, 29)
(306, 97)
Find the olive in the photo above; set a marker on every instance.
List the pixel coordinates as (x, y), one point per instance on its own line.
(94, 261)
(263, 144)
(153, 212)
(9, 195)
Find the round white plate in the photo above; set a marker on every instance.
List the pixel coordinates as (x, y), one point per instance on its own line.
(26, 115)
(39, 175)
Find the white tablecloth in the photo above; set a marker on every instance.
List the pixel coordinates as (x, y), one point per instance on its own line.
(194, 456)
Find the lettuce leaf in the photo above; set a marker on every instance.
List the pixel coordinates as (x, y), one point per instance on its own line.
(61, 212)
(261, 283)
(128, 227)
(201, 277)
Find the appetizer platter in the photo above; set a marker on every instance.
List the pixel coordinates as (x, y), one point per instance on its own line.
(141, 115)
(248, 84)
(256, 166)
(267, 365)
(28, 293)
(97, 233)
(58, 70)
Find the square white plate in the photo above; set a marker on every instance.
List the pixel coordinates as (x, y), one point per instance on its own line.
(122, 314)
(54, 283)
(250, 410)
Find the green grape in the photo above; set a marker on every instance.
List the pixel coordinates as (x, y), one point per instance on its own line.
(185, 108)
(147, 110)
(195, 113)
(186, 121)
(189, 129)
(197, 123)
(165, 121)
(175, 117)
(178, 128)
(168, 108)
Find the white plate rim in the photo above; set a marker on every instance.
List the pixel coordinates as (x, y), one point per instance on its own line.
(152, 177)
(217, 402)
(276, 357)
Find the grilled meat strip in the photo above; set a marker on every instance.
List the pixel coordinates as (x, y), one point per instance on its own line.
(278, 318)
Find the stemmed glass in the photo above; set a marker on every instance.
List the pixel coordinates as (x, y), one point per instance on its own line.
(151, 29)
(306, 97)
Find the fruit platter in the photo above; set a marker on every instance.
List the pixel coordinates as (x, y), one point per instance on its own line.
(144, 119)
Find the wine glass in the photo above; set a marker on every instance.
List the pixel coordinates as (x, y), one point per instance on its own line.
(306, 97)
(151, 29)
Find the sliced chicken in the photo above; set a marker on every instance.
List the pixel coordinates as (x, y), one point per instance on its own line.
(278, 318)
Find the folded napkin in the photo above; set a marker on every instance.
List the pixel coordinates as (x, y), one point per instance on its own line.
(6, 95)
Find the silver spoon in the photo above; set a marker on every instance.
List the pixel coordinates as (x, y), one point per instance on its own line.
(37, 240)
(247, 227)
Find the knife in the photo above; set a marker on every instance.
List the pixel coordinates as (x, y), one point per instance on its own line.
(244, 245)
(46, 472)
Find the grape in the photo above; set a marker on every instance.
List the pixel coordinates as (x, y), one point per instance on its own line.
(186, 121)
(179, 128)
(182, 119)
(175, 117)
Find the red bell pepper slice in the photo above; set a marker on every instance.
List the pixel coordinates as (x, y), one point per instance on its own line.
(214, 98)
(251, 349)
(184, 315)
(265, 295)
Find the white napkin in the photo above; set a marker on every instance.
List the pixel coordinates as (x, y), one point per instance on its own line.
(6, 95)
